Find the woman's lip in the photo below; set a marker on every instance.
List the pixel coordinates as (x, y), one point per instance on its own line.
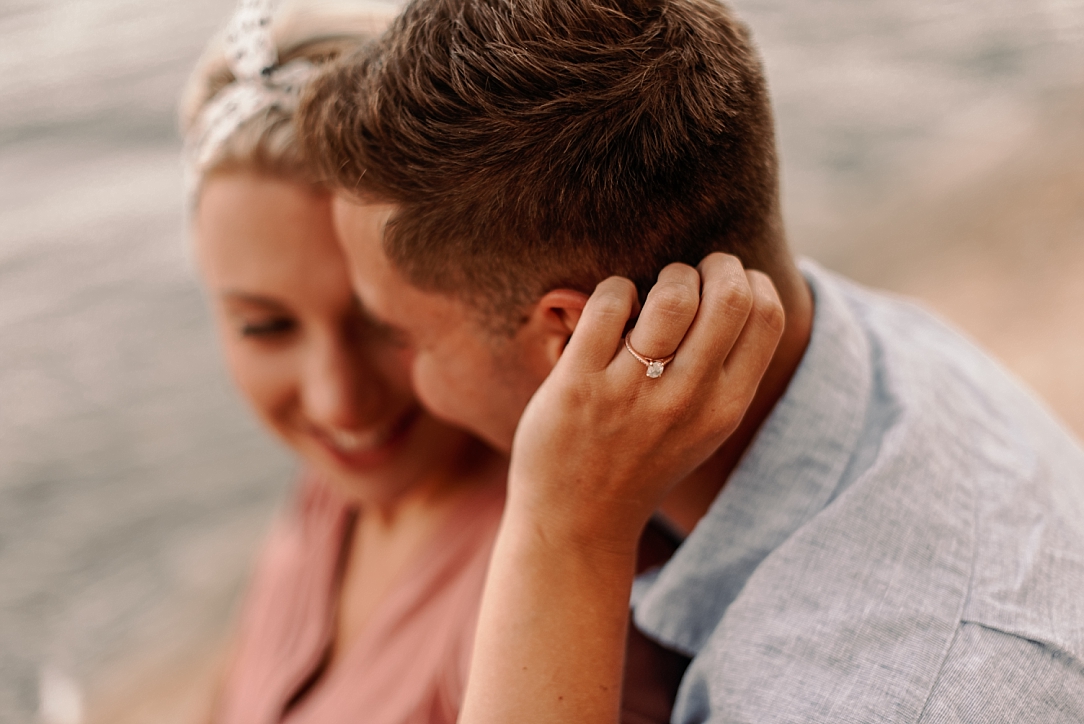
(372, 456)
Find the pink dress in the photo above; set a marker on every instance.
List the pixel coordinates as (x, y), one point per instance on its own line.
(410, 664)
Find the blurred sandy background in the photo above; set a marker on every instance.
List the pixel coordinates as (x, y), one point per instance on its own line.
(935, 148)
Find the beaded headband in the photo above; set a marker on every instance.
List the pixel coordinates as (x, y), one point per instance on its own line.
(260, 85)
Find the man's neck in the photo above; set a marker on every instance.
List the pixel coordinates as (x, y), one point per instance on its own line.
(689, 501)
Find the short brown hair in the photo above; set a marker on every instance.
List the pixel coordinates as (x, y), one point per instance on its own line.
(537, 144)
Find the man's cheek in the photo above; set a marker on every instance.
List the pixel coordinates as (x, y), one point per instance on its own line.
(438, 391)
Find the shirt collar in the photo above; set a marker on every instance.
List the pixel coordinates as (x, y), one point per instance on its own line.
(788, 474)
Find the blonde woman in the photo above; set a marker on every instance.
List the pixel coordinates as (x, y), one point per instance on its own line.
(363, 603)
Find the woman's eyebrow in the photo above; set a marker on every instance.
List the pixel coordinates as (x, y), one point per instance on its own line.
(233, 295)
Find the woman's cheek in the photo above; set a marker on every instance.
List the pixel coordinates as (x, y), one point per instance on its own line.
(267, 383)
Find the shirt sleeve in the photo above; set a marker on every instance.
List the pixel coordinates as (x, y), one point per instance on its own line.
(987, 676)
(993, 676)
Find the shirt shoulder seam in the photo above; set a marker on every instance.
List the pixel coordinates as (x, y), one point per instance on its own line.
(963, 604)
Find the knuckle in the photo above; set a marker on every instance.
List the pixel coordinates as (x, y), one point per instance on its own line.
(674, 299)
(769, 314)
(675, 413)
(626, 286)
(611, 306)
(614, 296)
(616, 286)
(718, 261)
(767, 307)
(731, 264)
(629, 288)
(681, 274)
(714, 417)
(729, 410)
(736, 300)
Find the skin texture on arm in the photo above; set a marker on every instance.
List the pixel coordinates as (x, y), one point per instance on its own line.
(596, 451)
(550, 644)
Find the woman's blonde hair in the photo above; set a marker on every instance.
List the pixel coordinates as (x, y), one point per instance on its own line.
(315, 30)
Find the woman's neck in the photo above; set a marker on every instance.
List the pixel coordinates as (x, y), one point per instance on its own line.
(389, 537)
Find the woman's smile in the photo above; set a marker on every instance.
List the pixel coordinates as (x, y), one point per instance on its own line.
(361, 450)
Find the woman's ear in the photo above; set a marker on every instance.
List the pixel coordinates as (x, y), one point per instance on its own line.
(552, 321)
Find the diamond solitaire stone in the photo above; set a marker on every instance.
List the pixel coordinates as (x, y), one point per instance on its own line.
(655, 367)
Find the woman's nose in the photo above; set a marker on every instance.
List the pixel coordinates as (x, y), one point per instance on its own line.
(338, 390)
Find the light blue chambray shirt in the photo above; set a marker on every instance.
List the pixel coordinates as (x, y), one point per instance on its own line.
(903, 542)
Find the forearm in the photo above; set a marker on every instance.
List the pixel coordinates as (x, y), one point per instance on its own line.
(551, 634)
(596, 450)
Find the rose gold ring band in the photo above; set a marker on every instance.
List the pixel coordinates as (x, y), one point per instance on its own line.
(654, 366)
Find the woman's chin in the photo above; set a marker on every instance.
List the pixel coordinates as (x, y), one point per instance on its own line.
(369, 471)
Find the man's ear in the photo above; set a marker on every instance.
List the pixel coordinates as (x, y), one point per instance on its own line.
(552, 321)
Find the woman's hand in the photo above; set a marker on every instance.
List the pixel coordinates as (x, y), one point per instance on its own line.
(598, 447)
(601, 443)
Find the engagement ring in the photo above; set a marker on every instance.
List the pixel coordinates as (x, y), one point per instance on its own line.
(655, 367)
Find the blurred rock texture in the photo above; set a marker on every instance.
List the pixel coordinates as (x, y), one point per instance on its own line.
(1000, 254)
(932, 148)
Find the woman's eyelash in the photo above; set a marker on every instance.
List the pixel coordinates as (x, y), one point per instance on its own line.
(268, 328)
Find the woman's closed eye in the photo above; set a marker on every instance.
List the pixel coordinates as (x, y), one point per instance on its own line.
(257, 316)
(272, 327)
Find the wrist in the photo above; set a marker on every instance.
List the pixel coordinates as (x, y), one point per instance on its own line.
(552, 625)
(570, 541)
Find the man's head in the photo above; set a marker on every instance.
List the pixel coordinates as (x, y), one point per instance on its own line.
(522, 148)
